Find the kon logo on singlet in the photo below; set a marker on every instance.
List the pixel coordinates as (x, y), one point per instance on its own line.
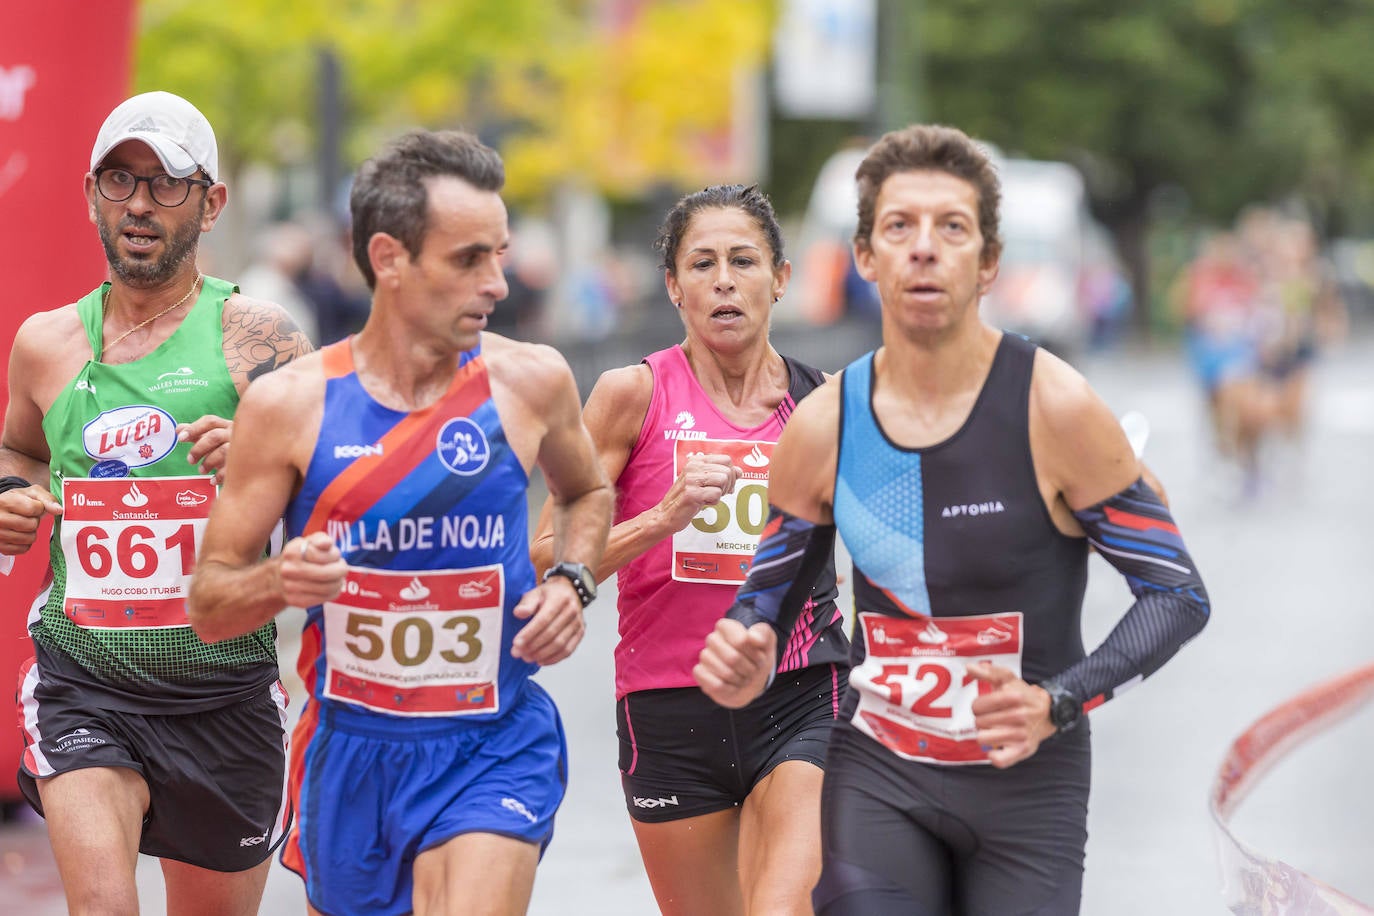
(138, 435)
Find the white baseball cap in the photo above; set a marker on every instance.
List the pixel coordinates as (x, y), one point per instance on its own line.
(171, 126)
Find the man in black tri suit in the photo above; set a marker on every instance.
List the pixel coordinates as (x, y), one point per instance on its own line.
(967, 472)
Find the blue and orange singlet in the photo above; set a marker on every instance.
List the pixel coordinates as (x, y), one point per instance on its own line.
(429, 510)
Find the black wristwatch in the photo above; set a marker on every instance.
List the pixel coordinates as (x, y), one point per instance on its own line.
(1065, 708)
(579, 575)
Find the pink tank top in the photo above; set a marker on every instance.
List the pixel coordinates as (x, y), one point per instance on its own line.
(671, 596)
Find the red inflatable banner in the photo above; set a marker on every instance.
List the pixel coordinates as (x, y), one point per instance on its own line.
(1254, 884)
(63, 65)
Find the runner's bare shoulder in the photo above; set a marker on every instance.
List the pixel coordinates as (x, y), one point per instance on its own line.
(534, 371)
(301, 380)
(259, 336)
(1060, 393)
(288, 402)
(49, 350)
(53, 331)
(817, 416)
(618, 404)
(1076, 441)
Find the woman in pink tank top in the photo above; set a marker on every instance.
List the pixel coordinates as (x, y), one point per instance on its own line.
(725, 804)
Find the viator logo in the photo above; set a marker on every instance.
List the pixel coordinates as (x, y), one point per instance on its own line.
(685, 423)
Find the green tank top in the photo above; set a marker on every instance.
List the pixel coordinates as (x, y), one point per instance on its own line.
(113, 620)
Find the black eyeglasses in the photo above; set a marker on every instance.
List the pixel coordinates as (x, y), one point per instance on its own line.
(118, 185)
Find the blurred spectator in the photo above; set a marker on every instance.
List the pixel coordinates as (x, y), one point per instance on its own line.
(531, 269)
(599, 292)
(1218, 294)
(860, 295)
(1259, 305)
(283, 257)
(1103, 288)
(335, 286)
(1308, 314)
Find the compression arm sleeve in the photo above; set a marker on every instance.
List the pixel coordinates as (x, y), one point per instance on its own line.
(790, 556)
(1134, 532)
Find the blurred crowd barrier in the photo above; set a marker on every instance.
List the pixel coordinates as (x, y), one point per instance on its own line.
(1254, 884)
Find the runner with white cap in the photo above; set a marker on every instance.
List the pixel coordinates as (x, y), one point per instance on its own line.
(138, 736)
(170, 126)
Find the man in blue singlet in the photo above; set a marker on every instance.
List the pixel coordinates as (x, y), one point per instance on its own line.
(967, 472)
(428, 765)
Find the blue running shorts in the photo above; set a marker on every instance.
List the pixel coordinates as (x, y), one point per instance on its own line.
(375, 792)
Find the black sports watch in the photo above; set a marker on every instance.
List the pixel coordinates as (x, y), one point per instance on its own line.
(579, 575)
(1065, 708)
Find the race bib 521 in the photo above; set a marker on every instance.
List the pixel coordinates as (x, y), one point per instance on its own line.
(915, 693)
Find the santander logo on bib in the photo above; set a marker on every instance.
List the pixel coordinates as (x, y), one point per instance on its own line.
(135, 498)
(756, 458)
(138, 435)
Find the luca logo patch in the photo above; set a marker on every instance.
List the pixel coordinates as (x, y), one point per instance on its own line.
(137, 436)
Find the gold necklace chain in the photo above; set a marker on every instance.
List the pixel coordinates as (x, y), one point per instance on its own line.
(105, 301)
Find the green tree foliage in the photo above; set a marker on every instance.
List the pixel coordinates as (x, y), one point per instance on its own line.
(627, 108)
(248, 66)
(569, 94)
(1232, 101)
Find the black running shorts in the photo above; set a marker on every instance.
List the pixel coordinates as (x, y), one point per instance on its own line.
(216, 779)
(918, 839)
(681, 755)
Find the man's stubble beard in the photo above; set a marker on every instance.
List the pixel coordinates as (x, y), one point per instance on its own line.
(179, 247)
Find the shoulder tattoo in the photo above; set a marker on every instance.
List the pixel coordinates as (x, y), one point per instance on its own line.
(258, 339)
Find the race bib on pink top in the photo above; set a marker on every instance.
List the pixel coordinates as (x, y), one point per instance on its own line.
(130, 547)
(915, 693)
(719, 544)
(416, 643)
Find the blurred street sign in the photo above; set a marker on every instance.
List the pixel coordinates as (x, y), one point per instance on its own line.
(824, 53)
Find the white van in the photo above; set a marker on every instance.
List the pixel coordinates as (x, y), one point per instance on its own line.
(1045, 225)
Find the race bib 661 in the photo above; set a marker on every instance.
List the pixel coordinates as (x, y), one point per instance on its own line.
(130, 547)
